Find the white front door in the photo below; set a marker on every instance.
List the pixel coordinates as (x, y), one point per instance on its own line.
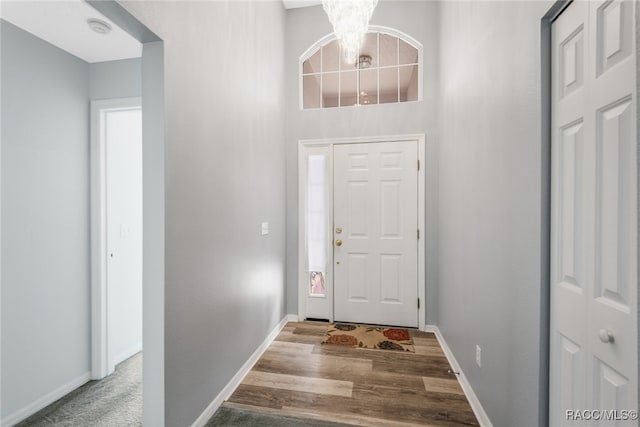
(593, 348)
(375, 233)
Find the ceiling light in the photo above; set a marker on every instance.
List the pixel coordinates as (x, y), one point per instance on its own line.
(364, 62)
(350, 20)
(99, 26)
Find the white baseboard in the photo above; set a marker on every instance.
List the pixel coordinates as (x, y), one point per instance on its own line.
(430, 328)
(292, 318)
(137, 348)
(45, 400)
(478, 410)
(228, 390)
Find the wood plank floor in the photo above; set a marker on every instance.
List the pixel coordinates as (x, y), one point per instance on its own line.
(297, 376)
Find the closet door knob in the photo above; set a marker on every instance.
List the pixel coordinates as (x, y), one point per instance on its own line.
(605, 336)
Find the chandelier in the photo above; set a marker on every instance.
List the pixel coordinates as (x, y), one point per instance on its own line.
(350, 20)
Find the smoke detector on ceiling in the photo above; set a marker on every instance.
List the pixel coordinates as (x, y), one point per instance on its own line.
(99, 26)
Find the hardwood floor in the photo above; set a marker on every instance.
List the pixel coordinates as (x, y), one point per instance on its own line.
(297, 376)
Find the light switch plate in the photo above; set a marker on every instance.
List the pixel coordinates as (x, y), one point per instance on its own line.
(125, 230)
(264, 228)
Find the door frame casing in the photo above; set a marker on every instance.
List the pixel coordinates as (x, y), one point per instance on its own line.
(304, 146)
(545, 207)
(101, 365)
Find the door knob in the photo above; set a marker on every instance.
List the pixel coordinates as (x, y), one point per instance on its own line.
(338, 242)
(605, 336)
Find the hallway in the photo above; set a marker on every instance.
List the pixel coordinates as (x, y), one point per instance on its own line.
(352, 386)
(250, 118)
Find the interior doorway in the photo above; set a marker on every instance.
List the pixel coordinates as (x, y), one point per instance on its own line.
(361, 212)
(104, 53)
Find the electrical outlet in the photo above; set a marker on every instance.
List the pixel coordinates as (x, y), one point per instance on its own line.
(478, 356)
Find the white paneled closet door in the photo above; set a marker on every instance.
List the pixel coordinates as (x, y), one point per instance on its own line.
(594, 272)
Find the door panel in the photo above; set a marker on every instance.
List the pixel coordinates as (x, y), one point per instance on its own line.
(611, 389)
(614, 213)
(123, 131)
(593, 359)
(572, 240)
(376, 208)
(357, 277)
(614, 38)
(390, 267)
(571, 383)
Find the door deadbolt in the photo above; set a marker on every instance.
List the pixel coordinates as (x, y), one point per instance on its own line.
(338, 230)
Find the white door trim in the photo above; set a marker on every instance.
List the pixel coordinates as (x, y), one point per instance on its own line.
(303, 147)
(100, 364)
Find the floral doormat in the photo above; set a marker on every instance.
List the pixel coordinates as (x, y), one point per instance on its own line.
(369, 337)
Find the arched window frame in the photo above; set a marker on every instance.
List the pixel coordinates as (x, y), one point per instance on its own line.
(331, 37)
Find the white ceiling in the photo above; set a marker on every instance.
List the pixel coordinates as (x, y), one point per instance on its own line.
(292, 4)
(64, 24)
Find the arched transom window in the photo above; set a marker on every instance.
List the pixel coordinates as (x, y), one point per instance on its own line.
(387, 71)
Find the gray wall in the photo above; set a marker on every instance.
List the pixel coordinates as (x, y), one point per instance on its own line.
(116, 79)
(45, 218)
(224, 284)
(153, 235)
(1, 86)
(490, 161)
(305, 26)
(637, 24)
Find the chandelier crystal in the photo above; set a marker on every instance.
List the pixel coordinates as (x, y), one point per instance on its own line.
(350, 20)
